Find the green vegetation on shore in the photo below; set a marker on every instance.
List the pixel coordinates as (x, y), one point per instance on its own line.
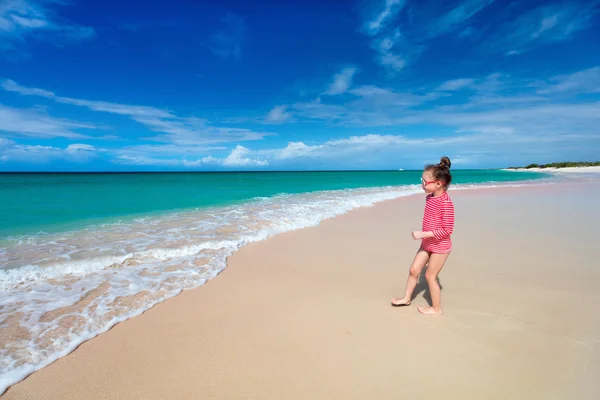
(561, 165)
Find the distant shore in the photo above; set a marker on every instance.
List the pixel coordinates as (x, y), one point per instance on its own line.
(590, 169)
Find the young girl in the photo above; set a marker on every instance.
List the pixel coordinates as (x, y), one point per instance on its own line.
(438, 223)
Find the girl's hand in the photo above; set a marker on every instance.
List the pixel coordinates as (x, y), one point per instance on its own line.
(417, 235)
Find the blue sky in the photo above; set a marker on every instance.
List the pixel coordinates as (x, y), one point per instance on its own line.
(385, 84)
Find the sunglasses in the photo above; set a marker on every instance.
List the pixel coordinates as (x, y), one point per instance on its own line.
(425, 183)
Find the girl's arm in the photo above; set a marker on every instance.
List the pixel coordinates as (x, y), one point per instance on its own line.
(447, 221)
(421, 235)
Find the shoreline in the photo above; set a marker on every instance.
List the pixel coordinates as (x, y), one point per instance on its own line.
(241, 300)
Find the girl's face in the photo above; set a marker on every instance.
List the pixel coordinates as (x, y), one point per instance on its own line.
(429, 184)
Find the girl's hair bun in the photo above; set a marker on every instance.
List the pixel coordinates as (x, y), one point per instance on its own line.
(445, 162)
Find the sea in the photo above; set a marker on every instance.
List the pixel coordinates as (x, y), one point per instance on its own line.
(81, 252)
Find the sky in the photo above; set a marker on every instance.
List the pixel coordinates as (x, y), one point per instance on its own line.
(297, 85)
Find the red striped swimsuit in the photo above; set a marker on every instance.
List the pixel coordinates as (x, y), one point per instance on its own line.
(439, 219)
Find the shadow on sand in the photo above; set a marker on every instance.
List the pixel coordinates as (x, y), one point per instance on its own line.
(422, 286)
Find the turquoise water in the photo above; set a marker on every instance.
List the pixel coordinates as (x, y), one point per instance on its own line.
(51, 202)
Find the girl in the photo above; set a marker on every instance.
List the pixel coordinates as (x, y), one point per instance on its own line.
(438, 224)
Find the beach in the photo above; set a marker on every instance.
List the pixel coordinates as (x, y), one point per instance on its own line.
(306, 314)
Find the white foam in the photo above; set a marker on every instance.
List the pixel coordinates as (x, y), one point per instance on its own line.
(85, 275)
(11, 278)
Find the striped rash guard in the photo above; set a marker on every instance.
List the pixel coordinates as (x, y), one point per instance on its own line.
(439, 219)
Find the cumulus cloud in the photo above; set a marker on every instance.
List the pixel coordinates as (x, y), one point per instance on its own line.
(240, 157)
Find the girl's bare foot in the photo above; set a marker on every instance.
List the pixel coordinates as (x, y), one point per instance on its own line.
(429, 311)
(400, 302)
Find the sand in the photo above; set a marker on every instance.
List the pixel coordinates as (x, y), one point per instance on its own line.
(306, 314)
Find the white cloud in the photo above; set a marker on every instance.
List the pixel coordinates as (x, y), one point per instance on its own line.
(341, 81)
(386, 56)
(586, 81)
(469, 147)
(317, 110)
(545, 24)
(531, 124)
(164, 154)
(391, 8)
(78, 147)
(174, 155)
(373, 97)
(239, 157)
(81, 152)
(146, 161)
(395, 49)
(487, 84)
(370, 140)
(466, 160)
(455, 84)
(368, 106)
(343, 149)
(383, 41)
(37, 154)
(11, 86)
(393, 61)
(6, 142)
(190, 130)
(278, 114)
(32, 123)
(455, 17)
(295, 150)
(168, 149)
(495, 99)
(101, 106)
(21, 20)
(209, 160)
(518, 107)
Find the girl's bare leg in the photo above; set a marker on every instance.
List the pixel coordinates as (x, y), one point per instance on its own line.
(436, 263)
(420, 260)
